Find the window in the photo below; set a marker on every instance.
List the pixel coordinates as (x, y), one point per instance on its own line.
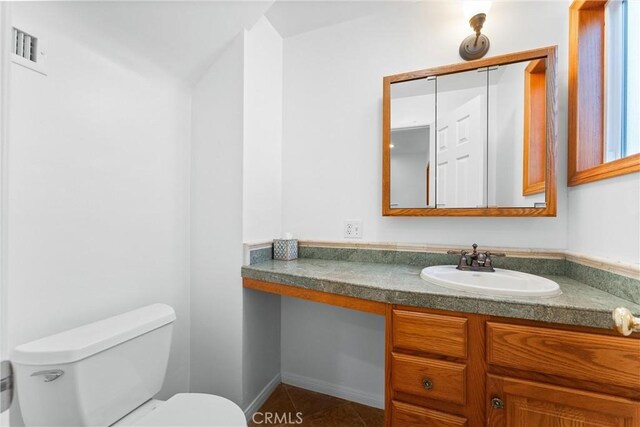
(604, 90)
(632, 78)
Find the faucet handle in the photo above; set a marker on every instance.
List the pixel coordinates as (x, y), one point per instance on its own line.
(456, 252)
(498, 254)
(482, 258)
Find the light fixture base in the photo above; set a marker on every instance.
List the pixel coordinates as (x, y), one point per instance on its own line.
(474, 47)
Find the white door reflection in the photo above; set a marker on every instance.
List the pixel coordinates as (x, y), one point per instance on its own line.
(461, 157)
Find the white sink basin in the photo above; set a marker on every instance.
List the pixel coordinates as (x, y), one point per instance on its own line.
(501, 282)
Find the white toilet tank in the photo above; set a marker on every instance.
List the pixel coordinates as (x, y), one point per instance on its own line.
(97, 373)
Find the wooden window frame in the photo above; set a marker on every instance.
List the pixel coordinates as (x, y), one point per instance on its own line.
(586, 98)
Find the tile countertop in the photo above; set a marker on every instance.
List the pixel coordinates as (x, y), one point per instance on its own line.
(579, 304)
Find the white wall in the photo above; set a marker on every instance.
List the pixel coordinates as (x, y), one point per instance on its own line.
(216, 226)
(332, 102)
(5, 43)
(605, 219)
(333, 350)
(332, 159)
(235, 196)
(262, 198)
(97, 193)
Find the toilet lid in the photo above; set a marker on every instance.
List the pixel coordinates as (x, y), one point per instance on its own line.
(195, 409)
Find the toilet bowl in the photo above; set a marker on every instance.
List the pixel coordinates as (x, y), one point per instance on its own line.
(106, 373)
(186, 409)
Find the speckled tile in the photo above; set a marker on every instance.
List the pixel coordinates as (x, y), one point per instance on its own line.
(372, 417)
(343, 415)
(297, 406)
(539, 266)
(615, 284)
(425, 259)
(260, 255)
(309, 402)
(579, 303)
(279, 403)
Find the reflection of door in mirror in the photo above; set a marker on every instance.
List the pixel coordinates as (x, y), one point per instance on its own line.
(411, 146)
(461, 140)
(517, 134)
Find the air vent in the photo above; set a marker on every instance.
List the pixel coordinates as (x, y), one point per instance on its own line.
(25, 45)
(27, 50)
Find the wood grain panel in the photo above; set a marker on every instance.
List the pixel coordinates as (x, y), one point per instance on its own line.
(353, 303)
(430, 333)
(582, 356)
(625, 165)
(448, 378)
(535, 122)
(388, 348)
(508, 58)
(405, 415)
(587, 56)
(534, 404)
(476, 371)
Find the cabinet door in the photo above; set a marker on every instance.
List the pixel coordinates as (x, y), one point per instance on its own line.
(519, 403)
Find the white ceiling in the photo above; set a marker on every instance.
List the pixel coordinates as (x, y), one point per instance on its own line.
(181, 37)
(291, 18)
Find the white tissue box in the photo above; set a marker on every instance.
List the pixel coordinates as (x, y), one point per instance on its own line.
(285, 249)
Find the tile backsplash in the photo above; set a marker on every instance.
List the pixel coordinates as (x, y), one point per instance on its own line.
(553, 265)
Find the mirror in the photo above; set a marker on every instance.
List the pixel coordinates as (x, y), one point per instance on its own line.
(472, 139)
(412, 141)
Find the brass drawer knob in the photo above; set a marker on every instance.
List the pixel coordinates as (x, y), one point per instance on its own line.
(427, 384)
(624, 321)
(497, 403)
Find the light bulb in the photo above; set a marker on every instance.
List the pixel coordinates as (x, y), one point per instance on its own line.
(473, 7)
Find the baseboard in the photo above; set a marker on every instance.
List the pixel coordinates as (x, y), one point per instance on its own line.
(335, 390)
(262, 397)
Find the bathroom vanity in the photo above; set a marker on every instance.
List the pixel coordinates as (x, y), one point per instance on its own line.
(456, 369)
(456, 359)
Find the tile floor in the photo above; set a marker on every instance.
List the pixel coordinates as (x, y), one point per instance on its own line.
(317, 410)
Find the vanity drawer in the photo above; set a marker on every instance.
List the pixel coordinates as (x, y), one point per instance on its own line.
(434, 379)
(405, 415)
(577, 355)
(430, 333)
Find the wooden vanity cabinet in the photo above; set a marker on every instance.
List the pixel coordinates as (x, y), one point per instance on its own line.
(527, 403)
(435, 362)
(456, 369)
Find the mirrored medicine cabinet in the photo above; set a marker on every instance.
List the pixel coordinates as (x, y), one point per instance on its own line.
(472, 139)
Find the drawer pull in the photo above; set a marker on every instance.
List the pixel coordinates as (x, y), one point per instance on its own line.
(427, 384)
(497, 403)
(624, 321)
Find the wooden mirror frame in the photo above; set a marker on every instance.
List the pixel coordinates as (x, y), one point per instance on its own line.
(550, 55)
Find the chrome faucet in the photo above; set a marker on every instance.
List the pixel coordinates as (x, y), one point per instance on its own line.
(475, 261)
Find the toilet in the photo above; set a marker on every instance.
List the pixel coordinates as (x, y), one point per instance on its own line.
(106, 373)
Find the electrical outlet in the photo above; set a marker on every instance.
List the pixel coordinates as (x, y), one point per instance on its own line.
(353, 229)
